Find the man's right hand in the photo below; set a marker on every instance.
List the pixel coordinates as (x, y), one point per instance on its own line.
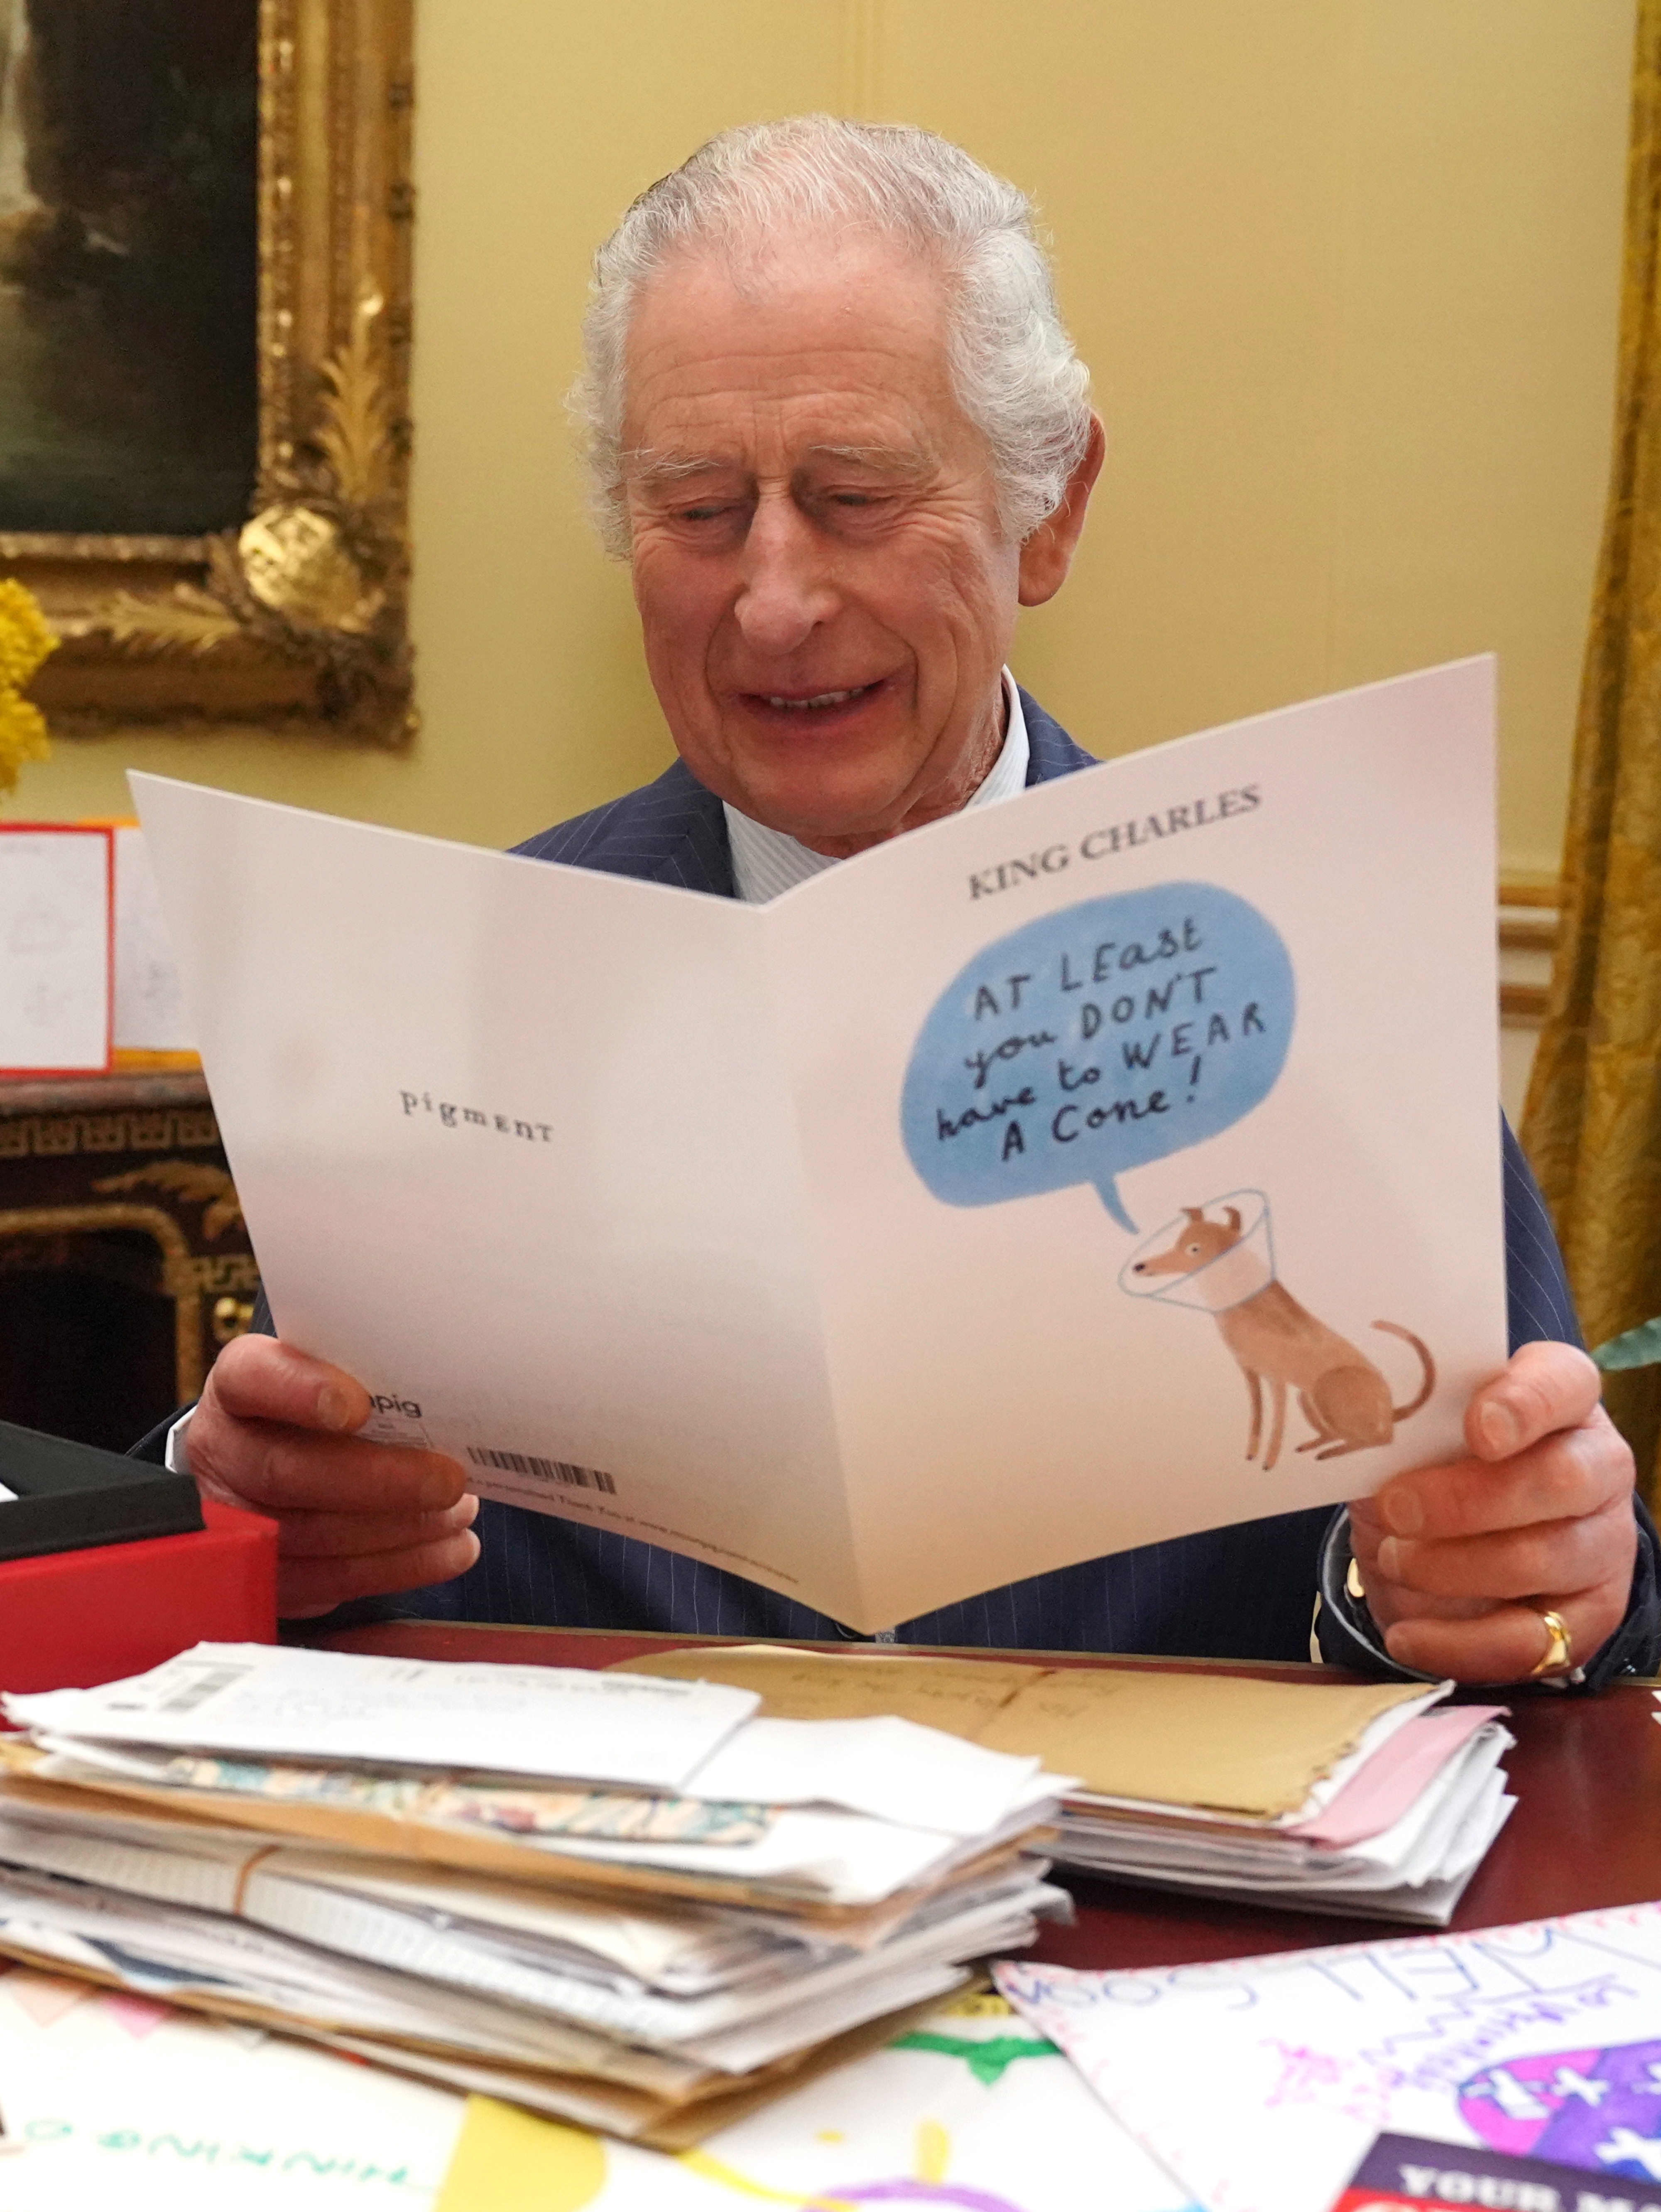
(273, 1433)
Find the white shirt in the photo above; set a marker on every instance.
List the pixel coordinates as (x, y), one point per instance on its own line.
(766, 861)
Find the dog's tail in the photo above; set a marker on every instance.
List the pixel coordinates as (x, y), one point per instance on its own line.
(1401, 1412)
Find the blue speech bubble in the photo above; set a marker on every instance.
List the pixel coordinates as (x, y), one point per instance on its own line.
(1095, 1040)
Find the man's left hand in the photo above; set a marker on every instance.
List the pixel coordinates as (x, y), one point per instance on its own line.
(1460, 1561)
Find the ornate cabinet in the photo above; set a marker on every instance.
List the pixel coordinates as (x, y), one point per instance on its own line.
(123, 1260)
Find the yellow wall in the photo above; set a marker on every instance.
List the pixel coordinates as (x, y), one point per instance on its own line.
(1346, 271)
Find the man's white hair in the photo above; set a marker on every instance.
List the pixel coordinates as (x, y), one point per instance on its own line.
(1013, 365)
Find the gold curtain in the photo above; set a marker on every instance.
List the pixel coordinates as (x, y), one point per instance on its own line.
(1592, 1123)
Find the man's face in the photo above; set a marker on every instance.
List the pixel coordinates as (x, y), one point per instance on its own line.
(825, 589)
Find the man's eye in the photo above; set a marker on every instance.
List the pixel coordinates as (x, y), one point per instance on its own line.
(711, 512)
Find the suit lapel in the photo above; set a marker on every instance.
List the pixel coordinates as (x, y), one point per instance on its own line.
(683, 829)
(1053, 751)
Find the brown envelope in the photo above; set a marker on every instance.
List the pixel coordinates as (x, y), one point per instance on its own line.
(1212, 1742)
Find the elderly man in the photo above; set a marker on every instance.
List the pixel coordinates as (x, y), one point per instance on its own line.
(838, 432)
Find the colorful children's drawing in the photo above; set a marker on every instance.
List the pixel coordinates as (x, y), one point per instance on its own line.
(1227, 1267)
(1590, 2108)
(945, 2120)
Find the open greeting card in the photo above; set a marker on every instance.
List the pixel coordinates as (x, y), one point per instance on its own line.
(1116, 1162)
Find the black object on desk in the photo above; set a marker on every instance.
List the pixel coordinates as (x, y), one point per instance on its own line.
(68, 1497)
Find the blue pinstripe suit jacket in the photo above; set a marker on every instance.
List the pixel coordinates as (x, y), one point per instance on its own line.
(1245, 1591)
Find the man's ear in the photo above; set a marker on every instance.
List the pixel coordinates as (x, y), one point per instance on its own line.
(1048, 555)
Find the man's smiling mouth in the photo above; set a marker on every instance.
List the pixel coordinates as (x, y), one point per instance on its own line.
(817, 701)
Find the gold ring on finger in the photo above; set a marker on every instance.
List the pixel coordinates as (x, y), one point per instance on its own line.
(1559, 1646)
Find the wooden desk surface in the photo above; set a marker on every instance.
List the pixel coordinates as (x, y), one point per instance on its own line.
(1586, 1831)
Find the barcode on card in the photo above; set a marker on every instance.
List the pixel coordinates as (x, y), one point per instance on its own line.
(210, 1681)
(550, 1470)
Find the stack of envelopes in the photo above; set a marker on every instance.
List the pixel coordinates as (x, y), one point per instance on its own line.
(1353, 1797)
(625, 1901)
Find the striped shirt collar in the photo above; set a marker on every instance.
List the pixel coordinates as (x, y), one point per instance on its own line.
(766, 861)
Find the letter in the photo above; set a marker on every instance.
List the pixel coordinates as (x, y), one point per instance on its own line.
(1182, 1040)
(472, 1114)
(1070, 1081)
(1197, 976)
(985, 1002)
(1193, 1073)
(945, 1127)
(1135, 956)
(1054, 859)
(1026, 868)
(156, 2141)
(544, 1133)
(410, 1101)
(523, 1129)
(1089, 1019)
(1125, 1009)
(1015, 983)
(1096, 842)
(1139, 1056)
(1013, 1141)
(980, 1063)
(1159, 1001)
(1131, 837)
(1068, 982)
(1216, 1030)
(1176, 818)
(979, 887)
(503, 1124)
(1251, 1019)
(447, 1115)
(1191, 940)
(426, 1100)
(1063, 1136)
(1454, 2188)
(1252, 795)
(1227, 805)
(1154, 826)
(1417, 2180)
(1102, 971)
(1202, 819)
(1168, 947)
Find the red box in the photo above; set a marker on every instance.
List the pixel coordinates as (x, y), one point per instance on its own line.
(74, 1618)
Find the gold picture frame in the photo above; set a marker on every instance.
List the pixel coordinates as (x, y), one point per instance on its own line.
(298, 618)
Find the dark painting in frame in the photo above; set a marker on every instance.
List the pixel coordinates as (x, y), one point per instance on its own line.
(205, 215)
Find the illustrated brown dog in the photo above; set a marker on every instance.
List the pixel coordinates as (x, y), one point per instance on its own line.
(1345, 1399)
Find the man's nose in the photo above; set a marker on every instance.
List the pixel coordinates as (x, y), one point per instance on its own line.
(786, 589)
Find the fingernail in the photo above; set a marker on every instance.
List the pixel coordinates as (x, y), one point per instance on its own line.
(333, 1412)
(1390, 1559)
(1497, 1425)
(1403, 1511)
